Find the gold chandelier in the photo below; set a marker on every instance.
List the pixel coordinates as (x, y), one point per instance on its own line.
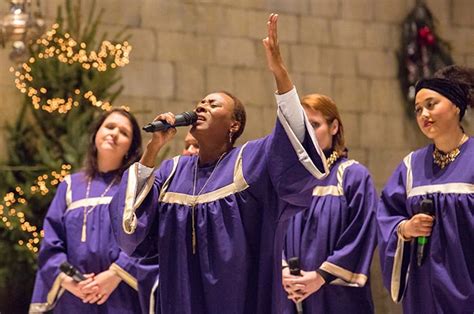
(21, 25)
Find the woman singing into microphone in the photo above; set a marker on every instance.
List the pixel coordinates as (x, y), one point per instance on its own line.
(214, 216)
(442, 172)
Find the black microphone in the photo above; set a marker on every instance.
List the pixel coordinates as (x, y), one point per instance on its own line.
(72, 271)
(294, 265)
(182, 119)
(426, 208)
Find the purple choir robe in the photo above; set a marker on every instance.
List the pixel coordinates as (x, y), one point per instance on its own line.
(236, 217)
(444, 283)
(337, 234)
(62, 242)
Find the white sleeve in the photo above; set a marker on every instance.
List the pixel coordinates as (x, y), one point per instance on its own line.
(289, 105)
(291, 115)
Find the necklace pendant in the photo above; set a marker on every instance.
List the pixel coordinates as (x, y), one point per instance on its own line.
(83, 236)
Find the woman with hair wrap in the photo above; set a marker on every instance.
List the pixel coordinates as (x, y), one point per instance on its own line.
(426, 212)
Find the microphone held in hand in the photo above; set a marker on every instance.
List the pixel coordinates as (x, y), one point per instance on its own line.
(182, 119)
(294, 265)
(72, 271)
(426, 208)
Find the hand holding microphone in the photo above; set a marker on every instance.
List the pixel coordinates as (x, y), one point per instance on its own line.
(166, 121)
(426, 208)
(72, 272)
(294, 265)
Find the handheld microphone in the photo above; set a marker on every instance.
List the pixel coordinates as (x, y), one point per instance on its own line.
(426, 208)
(294, 265)
(72, 271)
(182, 119)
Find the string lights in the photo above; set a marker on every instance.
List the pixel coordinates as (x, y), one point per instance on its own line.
(67, 50)
(11, 215)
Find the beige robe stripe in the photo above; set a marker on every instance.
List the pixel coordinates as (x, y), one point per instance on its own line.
(125, 276)
(358, 280)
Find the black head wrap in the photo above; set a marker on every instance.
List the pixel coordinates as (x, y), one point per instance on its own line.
(457, 93)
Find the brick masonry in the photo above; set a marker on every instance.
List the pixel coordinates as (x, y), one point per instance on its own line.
(184, 49)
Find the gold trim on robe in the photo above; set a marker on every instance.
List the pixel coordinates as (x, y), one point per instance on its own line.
(53, 296)
(348, 278)
(238, 185)
(129, 219)
(91, 201)
(125, 276)
(333, 189)
(396, 279)
(67, 179)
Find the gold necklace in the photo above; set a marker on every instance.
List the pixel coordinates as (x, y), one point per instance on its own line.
(89, 209)
(443, 159)
(196, 197)
(332, 159)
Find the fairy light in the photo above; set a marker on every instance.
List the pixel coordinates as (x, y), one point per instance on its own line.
(13, 217)
(67, 50)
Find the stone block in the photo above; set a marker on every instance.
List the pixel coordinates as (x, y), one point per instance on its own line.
(253, 86)
(386, 97)
(190, 82)
(269, 117)
(378, 35)
(351, 94)
(338, 61)
(185, 47)
(380, 131)
(393, 11)
(325, 8)
(219, 78)
(358, 154)
(294, 6)
(254, 128)
(377, 64)
(305, 58)
(461, 39)
(383, 162)
(358, 10)
(463, 12)
(347, 33)
(352, 128)
(469, 61)
(257, 27)
(314, 30)
(143, 43)
(147, 79)
(320, 84)
(168, 15)
(234, 51)
(219, 20)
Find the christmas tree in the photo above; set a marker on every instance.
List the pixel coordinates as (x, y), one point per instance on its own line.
(69, 79)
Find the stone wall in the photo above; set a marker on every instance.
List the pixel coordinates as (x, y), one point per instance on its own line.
(184, 49)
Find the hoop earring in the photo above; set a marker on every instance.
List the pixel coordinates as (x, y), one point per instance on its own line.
(230, 137)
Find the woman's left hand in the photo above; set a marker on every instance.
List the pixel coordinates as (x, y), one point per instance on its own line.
(106, 282)
(301, 287)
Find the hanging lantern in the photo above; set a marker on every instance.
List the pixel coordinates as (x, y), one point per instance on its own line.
(19, 27)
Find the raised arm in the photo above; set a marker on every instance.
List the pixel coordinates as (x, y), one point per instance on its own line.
(274, 59)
